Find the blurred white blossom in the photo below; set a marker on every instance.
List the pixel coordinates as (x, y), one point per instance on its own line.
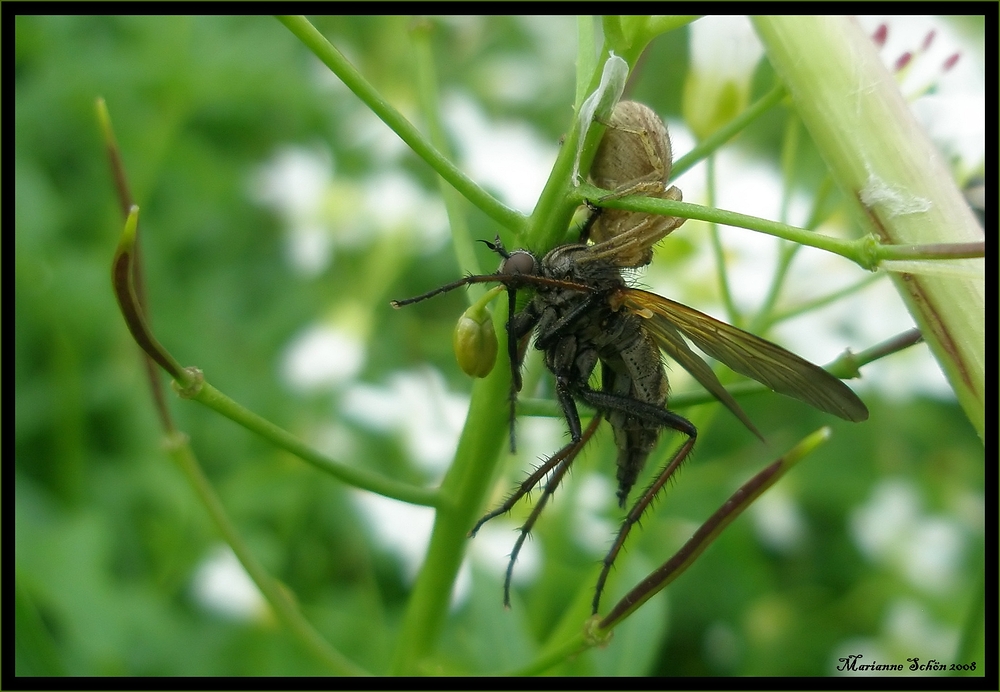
(724, 54)
(322, 212)
(507, 158)
(221, 585)
(891, 528)
(322, 357)
(418, 406)
(778, 520)
(294, 183)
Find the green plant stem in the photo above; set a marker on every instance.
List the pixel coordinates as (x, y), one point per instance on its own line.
(136, 286)
(190, 383)
(867, 252)
(554, 656)
(340, 66)
(359, 478)
(430, 101)
(128, 287)
(855, 250)
(787, 252)
(717, 250)
(279, 598)
(466, 484)
(772, 318)
(586, 56)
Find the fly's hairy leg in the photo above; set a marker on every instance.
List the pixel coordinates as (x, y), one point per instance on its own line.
(559, 463)
(573, 421)
(565, 458)
(657, 416)
(515, 323)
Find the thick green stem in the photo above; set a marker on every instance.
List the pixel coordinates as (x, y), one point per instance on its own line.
(896, 179)
(466, 484)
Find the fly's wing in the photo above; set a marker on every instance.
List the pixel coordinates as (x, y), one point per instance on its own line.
(749, 355)
(671, 341)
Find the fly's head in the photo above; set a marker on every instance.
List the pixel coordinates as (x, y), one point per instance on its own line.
(517, 263)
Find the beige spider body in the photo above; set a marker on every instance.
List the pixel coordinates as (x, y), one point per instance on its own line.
(634, 158)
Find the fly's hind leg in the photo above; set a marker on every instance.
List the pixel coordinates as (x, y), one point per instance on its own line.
(655, 415)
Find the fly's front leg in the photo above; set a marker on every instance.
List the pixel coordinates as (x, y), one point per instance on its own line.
(518, 326)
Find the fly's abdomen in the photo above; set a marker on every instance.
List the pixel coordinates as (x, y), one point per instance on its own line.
(631, 367)
(635, 440)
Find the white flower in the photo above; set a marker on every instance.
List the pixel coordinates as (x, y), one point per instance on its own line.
(220, 584)
(322, 356)
(417, 405)
(508, 158)
(724, 53)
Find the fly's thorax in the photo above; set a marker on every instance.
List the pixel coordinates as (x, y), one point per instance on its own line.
(574, 263)
(561, 262)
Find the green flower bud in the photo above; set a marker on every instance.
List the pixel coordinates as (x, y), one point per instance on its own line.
(475, 342)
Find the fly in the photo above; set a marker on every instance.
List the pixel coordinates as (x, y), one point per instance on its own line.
(583, 314)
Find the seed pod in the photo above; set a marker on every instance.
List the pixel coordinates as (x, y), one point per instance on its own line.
(634, 158)
(475, 343)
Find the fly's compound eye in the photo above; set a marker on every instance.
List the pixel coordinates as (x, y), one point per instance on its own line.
(519, 262)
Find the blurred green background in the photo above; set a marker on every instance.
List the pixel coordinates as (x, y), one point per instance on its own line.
(109, 537)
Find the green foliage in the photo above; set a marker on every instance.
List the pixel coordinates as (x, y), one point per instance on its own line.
(109, 533)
